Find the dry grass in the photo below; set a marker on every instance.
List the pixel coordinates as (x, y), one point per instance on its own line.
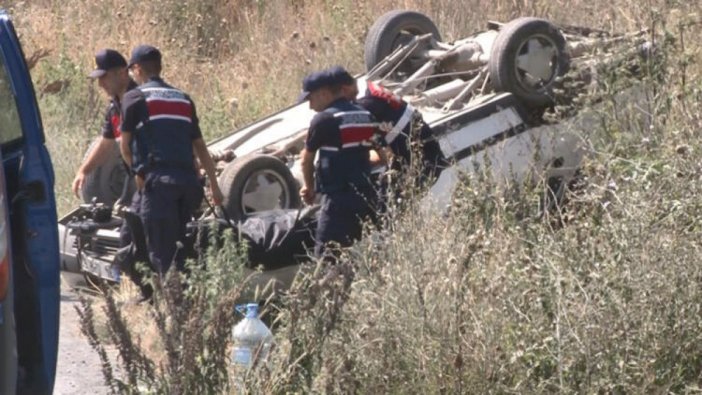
(178, 342)
(250, 52)
(492, 298)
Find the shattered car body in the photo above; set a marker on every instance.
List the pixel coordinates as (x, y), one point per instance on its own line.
(484, 96)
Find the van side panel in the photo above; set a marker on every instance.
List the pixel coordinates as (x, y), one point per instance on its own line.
(30, 182)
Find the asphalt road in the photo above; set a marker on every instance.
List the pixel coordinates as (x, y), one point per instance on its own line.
(78, 370)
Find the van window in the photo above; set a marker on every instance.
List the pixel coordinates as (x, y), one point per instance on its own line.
(10, 127)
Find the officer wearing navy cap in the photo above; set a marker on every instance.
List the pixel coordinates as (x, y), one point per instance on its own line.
(160, 134)
(407, 128)
(343, 134)
(112, 76)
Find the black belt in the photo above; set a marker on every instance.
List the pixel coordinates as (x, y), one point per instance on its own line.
(168, 166)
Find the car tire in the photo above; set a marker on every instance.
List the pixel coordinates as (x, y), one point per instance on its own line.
(512, 67)
(248, 175)
(106, 182)
(392, 30)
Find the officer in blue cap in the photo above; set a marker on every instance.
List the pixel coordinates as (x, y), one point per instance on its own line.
(160, 134)
(343, 134)
(112, 76)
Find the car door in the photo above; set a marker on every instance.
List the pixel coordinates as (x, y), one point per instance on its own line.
(29, 181)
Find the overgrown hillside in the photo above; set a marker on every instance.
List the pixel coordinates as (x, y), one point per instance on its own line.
(604, 297)
(241, 59)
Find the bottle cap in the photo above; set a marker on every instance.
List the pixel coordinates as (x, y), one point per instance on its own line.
(252, 310)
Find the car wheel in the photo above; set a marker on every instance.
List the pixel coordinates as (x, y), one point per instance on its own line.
(526, 59)
(393, 30)
(257, 183)
(105, 182)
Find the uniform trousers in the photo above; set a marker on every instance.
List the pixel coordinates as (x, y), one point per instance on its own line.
(341, 219)
(169, 199)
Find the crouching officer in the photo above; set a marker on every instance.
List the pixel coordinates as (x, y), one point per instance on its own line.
(408, 133)
(343, 135)
(160, 133)
(112, 76)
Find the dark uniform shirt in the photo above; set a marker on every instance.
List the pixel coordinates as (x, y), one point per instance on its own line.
(408, 129)
(343, 134)
(387, 107)
(113, 116)
(164, 124)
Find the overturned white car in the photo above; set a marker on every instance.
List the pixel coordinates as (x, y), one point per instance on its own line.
(484, 96)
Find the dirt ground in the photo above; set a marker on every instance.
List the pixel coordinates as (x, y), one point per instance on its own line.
(78, 369)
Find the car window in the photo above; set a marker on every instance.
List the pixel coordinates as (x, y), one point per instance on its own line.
(10, 127)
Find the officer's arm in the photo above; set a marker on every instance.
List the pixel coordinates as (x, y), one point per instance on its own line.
(129, 123)
(99, 153)
(307, 191)
(308, 167)
(96, 157)
(203, 155)
(125, 148)
(317, 136)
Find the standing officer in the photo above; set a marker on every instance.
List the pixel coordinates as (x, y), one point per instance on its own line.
(113, 77)
(343, 135)
(408, 129)
(160, 133)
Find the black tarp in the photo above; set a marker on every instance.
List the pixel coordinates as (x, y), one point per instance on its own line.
(274, 238)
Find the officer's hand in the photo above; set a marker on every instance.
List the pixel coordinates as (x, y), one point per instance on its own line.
(307, 195)
(385, 126)
(139, 181)
(216, 193)
(78, 183)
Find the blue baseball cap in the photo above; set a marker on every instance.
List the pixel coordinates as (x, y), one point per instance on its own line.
(144, 53)
(107, 59)
(314, 81)
(341, 76)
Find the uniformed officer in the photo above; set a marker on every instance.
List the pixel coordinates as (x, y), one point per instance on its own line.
(160, 133)
(342, 133)
(112, 76)
(407, 128)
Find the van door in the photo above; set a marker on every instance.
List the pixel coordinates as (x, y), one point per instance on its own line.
(8, 337)
(29, 180)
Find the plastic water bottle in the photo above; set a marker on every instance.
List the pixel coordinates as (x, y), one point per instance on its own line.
(252, 339)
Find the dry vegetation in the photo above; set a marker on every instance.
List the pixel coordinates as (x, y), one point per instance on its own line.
(241, 59)
(492, 298)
